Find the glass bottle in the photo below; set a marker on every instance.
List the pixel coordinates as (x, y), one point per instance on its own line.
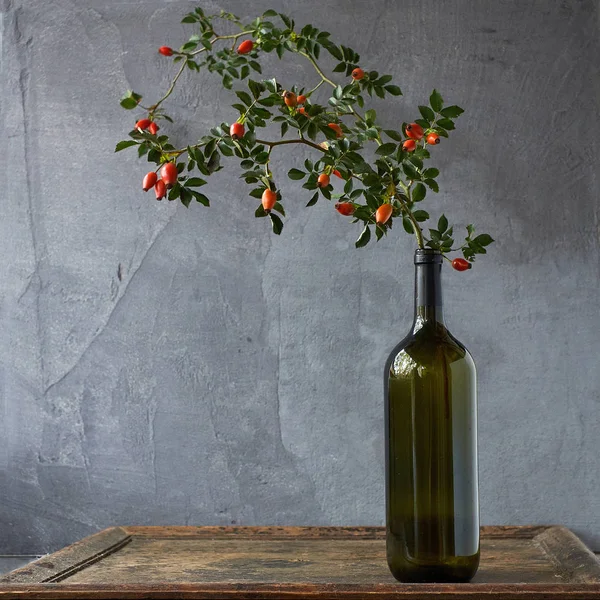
(432, 509)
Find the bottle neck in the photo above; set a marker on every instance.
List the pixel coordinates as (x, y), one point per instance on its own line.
(428, 294)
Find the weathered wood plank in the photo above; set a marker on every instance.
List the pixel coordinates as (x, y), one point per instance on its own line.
(299, 563)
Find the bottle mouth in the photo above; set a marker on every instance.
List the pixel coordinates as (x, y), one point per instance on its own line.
(428, 256)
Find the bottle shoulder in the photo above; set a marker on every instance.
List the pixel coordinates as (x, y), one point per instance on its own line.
(428, 346)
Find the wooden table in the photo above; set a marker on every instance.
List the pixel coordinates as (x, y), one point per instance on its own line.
(297, 563)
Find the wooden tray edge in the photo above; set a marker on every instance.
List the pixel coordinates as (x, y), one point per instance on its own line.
(570, 555)
(191, 591)
(59, 565)
(312, 532)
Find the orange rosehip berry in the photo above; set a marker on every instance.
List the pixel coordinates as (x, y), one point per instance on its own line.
(153, 128)
(409, 145)
(358, 74)
(269, 199)
(143, 124)
(414, 131)
(337, 173)
(323, 180)
(345, 208)
(160, 189)
(460, 264)
(245, 47)
(383, 214)
(236, 131)
(338, 130)
(303, 112)
(150, 180)
(433, 138)
(166, 51)
(168, 172)
(290, 99)
(301, 99)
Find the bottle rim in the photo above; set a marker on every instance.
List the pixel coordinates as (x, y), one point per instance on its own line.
(428, 256)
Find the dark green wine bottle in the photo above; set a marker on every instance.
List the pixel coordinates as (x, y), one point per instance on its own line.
(431, 444)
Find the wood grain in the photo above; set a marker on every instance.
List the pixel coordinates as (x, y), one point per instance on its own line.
(323, 563)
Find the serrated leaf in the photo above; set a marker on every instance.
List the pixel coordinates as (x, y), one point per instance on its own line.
(200, 198)
(195, 182)
(370, 116)
(419, 192)
(277, 223)
(447, 124)
(436, 101)
(313, 200)
(364, 237)
(427, 113)
(128, 103)
(431, 173)
(432, 185)
(394, 90)
(421, 215)
(407, 225)
(296, 174)
(452, 112)
(442, 224)
(244, 97)
(386, 149)
(125, 144)
(395, 135)
(484, 239)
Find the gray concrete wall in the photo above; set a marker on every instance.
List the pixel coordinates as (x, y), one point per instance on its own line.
(231, 376)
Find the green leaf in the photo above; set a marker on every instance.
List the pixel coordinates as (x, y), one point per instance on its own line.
(370, 116)
(260, 212)
(277, 223)
(186, 197)
(124, 144)
(452, 112)
(296, 174)
(313, 200)
(419, 192)
(432, 185)
(430, 173)
(189, 19)
(255, 87)
(395, 135)
(386, 149)
(484, 239)
(279, 208)
(442, 224)
(421, 215)
(446, 124)
(128, 103)
(244, 97)
(407, 225)
(470, 229)
(364, 237)
(436, 101)
(394, 90)
(195, 182)
(200, 198)
(427, 113)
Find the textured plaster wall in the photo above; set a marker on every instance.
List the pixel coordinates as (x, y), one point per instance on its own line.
(168, 366)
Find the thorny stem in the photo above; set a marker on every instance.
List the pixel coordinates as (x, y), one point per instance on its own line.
(292, 141)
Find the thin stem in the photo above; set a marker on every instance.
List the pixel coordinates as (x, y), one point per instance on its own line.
(411, 218)
(172, 86)
(292, 141)
(315, 88)
(318, 69)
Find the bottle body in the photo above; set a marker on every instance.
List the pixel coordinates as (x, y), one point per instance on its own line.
(431, 448)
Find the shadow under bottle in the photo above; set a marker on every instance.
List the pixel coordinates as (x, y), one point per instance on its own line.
(432, 509)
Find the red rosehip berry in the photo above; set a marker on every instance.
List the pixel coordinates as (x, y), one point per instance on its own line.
(345, 208)
(409, 145)
(383, 214)
(337, 173)
(323, 180)
(269, 199)
(338, 130)
(160, 189)
(143, 124)
(460, 264)
(150, 180)
(290, 99)
(303, 112)
(166, 51)
(301, 99)
(414, 131)
(236, 131)
(358, 74)
(245, 47)
(153, 128)
(433, 138)
(168, 172)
